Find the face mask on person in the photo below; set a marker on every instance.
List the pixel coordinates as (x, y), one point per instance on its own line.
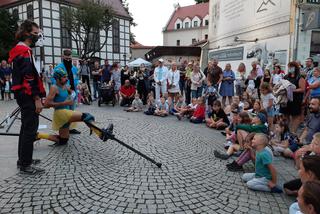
(34, 40)
(67, 63)
(292, 70)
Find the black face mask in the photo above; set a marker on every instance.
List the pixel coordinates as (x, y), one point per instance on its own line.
(67, 64)
(34, 40)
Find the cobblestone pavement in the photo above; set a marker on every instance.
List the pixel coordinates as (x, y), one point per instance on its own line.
(89, 176)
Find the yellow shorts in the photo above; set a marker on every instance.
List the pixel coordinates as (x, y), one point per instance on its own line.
(61, 118)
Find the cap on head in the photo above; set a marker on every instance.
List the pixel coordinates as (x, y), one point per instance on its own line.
(160, 60)
(59, 73)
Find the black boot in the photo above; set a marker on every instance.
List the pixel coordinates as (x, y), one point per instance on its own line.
(107, 133)
(235, 167)
(220, 156)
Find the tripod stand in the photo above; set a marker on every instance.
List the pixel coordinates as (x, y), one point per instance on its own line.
(10, 119)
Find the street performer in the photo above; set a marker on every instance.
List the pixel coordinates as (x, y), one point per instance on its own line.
(60, 99)
(28, 89)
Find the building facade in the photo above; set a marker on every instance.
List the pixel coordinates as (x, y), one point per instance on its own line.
(268, 31)
(252, 30)
(187, 25)
(56, 38)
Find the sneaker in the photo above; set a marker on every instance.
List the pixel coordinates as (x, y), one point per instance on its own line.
(31, 170)
(34, 162)
(220, 156)
(227, 144)
(74, 131)
(276, 190)
(235, 168)
(178, 116)
(231, 164)
(223, 133)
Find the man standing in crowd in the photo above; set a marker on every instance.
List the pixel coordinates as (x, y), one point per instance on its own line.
(72, 72)
(308, 70)
(127, 92)
(28, 89)
(5, 71)
(96, 76)
(217, 74)
(106, 75)
(160, 78)
(85, 74)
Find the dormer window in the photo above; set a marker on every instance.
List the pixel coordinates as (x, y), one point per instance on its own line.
(206, 22)
(178, 26)
(186, 25)
(195, 24)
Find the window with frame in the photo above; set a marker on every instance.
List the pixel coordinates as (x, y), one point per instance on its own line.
(195, 24)
(66, 41)
(15, 13)
(94, 41)
(116, 36)
(178, 26)
(194, 41)
(30, 12)
(206, 22)
(186, 25)
(178, 42)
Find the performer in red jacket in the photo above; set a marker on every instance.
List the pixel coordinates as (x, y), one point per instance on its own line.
(28, 89)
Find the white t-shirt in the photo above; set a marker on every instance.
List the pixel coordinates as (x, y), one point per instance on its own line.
(276, 78)
(265, 99)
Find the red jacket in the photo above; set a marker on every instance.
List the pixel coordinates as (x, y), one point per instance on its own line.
(128, 91)
(200, 112)
(25, 77)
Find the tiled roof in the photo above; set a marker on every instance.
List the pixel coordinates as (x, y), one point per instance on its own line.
(200, 10)
(137, 45)
(115, 4)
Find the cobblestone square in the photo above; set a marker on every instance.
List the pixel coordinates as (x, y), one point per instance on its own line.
(90, 176)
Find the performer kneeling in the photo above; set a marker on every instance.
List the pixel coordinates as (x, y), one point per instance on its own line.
(60, 99)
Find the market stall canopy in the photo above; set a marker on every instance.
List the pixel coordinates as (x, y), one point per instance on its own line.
(138, 62)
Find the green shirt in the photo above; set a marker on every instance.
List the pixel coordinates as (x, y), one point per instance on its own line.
(263, 159)
(188, 72)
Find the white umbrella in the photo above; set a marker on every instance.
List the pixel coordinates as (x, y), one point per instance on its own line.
(138, 62)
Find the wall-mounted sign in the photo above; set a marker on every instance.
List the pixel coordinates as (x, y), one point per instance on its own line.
(228, 54)
(311, 19)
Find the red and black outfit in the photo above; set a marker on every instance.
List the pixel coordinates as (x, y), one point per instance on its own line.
(129, 92)
(199, 114)
(26, 85)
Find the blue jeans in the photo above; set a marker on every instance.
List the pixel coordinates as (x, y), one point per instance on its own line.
(95, 90)
(196, 93)
(254, 183)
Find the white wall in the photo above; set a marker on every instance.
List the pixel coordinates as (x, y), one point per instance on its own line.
(185, 36)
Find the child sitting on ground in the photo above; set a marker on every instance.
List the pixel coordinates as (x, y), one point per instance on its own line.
(178, 106)
(162, 109)
(284, 142)
(218, 119)
(247, 102)
(242, 130)
(188, 110)
(200, 113)
(211, 94)
(136, 105)
(170, 103)
(265, 176)
(151, 105)
(251, 90)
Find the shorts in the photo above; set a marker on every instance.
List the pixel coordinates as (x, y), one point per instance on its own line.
(61, 119)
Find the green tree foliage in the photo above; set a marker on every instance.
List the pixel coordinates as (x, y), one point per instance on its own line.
(201, 1)
(8, 27)
(84, 24)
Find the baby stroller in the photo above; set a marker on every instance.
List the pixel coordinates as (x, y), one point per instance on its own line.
(106, 94)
